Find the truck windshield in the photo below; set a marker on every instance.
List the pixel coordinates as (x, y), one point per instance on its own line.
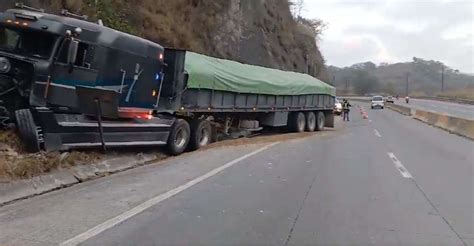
(377, 99)
(27, 42)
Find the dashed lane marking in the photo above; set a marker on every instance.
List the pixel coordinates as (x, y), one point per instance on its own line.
(400, 166)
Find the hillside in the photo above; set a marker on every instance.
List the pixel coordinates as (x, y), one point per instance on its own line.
(424, 78)
(259, 32)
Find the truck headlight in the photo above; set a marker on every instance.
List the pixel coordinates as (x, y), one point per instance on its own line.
(5, 65)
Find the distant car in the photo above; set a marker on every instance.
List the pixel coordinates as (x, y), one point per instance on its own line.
(337, 107)
(389, 99)
(377, 102)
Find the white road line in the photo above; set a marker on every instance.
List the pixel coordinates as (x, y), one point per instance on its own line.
(400, 166)
(377, 133)
(156, 200)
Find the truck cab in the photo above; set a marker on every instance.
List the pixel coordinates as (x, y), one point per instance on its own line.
(44, 57)
(54, 67)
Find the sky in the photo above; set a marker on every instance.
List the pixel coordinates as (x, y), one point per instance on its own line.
(396, 31)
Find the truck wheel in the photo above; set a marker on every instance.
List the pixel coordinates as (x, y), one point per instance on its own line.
(320, 121)
(310, 122)
(201, 134)
(178, 139)
(297, 122)
(28, 130)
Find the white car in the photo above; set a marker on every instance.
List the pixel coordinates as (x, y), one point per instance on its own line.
(389, 100)
(377, 102)
(337, 107)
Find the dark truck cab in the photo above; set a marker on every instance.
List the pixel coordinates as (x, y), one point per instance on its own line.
(45, 58)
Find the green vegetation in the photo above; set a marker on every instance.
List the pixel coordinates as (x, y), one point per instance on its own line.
(110, 13)
(364, 83)
(424, 78)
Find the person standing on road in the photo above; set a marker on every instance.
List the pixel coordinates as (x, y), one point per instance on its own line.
(346, 108)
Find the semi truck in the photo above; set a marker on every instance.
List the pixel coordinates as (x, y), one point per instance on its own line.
(68, 83)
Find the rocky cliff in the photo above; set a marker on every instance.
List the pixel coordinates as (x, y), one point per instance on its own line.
(259, 32)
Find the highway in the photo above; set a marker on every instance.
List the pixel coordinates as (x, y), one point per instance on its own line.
(454, 109)
(386, 180)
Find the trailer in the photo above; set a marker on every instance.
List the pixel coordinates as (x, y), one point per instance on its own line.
(68, 83)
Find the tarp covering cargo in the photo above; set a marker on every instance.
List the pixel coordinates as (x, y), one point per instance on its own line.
(218, 74)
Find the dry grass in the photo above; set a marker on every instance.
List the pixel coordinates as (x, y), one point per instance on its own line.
(418, 94)
(467, 93)
(18, 165)
(15, 163)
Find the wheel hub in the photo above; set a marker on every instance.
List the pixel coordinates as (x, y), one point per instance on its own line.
(180, 139)
(204, 139)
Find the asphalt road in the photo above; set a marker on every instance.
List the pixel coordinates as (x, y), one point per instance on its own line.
(388, 180)
(454, 109)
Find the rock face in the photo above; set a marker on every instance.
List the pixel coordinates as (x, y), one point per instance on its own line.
(258, 32)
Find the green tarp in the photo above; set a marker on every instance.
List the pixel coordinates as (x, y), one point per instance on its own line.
(211, 73)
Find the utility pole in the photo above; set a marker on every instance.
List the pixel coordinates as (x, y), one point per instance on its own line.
(442, 78)
(408, 75)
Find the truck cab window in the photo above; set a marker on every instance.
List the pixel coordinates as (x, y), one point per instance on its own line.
(27, 42)
(83, 58)
(8, 39)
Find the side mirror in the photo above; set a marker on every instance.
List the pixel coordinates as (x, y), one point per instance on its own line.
(72, 51)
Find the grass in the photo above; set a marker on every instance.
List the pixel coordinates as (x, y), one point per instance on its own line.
(15, 163)
(467, 93)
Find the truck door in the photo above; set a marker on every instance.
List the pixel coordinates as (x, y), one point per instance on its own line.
(143, 87)
(65, 77)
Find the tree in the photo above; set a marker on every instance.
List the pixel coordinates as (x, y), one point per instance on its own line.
(389, 88)
(314, 26)
(364, 83)
(297, 7)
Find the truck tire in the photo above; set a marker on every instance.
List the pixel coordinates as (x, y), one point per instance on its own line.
(310, 122)
(28, 130)
(201, 134)
(178, 139)
(320, 121)
(296, 122)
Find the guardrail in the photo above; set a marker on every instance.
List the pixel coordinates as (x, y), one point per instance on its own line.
(401, 109)
(463, 127)
(456, 125)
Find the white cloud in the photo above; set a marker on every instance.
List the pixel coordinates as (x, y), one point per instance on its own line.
(396, 30)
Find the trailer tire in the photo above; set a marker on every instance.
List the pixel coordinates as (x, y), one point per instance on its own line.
(320, 121)
(310, 122)
(178, 139)
(201, 134)
(297, 122)
(28, 130)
